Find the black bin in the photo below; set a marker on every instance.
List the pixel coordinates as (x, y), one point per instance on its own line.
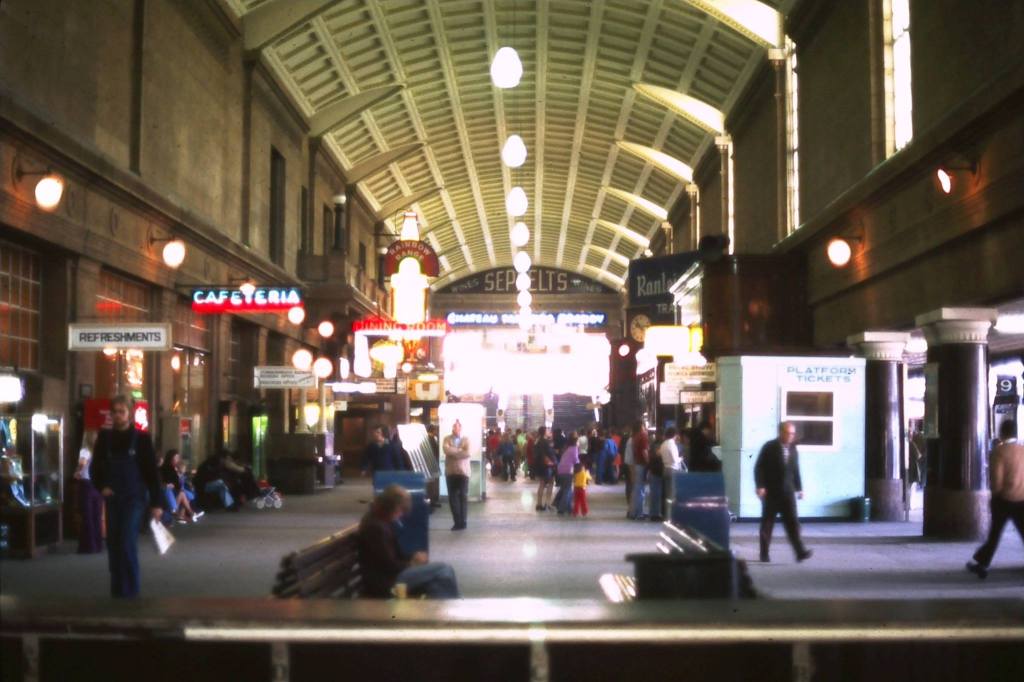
(680, 576)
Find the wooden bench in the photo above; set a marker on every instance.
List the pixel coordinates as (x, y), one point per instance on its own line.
(328, 569)
(673, 540)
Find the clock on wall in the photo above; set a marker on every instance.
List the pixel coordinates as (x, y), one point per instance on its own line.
(638, 327)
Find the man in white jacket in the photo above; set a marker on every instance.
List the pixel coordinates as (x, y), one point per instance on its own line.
(669, 452)
(456, 474)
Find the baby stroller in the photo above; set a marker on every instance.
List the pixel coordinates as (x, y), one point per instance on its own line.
(268, 497)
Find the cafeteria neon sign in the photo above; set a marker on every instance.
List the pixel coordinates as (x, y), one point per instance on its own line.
(261, 300)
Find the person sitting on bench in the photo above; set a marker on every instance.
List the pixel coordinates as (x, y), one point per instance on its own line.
(381, 561)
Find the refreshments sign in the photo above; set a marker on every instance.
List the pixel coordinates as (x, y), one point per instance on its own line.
(141, 336)
(234, 300)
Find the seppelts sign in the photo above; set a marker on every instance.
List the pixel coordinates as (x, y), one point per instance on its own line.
(542, 281)
(234, 300)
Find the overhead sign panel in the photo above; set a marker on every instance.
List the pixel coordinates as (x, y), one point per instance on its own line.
(496, 319)
(141, 336)
(282, 377)
(650, 278)
(542, 281)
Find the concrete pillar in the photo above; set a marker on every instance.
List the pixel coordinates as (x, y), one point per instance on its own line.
(956, 495)
(883, 421)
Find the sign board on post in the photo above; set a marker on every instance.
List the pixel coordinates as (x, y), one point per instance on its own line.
(696, 397)
(118, 335)
(282, 377)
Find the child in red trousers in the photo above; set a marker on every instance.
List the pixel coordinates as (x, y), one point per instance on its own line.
(580, 480)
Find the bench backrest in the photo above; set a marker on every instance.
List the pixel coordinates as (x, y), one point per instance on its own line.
(328, 569)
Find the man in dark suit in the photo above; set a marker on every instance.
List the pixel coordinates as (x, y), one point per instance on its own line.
(777, 477)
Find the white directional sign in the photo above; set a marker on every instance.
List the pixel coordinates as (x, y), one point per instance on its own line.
(97, 336)
(282, 377)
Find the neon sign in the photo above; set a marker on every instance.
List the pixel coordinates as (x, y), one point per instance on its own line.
(378, 326)
(261, 300)
(495, 319)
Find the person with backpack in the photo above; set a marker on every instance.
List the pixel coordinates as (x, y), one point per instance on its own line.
(123, 469)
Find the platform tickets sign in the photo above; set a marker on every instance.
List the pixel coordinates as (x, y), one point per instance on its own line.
(140, 336)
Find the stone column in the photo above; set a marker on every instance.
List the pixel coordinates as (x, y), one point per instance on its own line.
(956, 495)
(883, 421)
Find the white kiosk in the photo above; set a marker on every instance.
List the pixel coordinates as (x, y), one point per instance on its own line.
(823, 397)
(472, 417)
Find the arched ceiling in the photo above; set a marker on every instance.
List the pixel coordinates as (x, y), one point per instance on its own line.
(577, 100)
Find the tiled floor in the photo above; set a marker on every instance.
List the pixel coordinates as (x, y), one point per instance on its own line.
(512, 550)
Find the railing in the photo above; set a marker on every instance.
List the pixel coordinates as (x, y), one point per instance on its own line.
(516, 639)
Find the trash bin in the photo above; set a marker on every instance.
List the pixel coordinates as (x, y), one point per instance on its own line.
(679, 576)
(860, 509)
(700, 503)
(413, 534)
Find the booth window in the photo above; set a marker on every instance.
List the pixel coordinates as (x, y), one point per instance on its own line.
(19, 308)
(813, 415)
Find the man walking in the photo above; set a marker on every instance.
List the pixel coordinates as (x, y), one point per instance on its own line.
(456, 474)
(638, 479)
(1006, 478)
(777, 478)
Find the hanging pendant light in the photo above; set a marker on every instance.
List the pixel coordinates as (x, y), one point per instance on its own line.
(523, 281)
(524, 298)
(506, 69)
(514, 152)
(521, 262)
(520, 234)
(516, 202)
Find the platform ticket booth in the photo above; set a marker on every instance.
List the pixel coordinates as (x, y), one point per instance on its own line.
(823, 397)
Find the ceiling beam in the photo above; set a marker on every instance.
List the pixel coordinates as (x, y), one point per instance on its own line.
(540, 127)
(417, 121)
(379, 162)
(752, 19)
(693, 62)
(645, 205)
(669, 165)
(643, 49)
(697, 112)
(272, 20)
(334, 115)
(589, 60)
(451, 86)
(388, 209)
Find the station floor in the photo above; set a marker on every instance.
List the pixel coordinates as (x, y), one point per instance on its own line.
(510, 550)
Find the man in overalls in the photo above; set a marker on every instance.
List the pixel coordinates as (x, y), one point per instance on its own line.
(123, 469)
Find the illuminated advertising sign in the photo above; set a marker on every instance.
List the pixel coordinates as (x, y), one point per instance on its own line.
(378, 326)
(422, 252)
(495, 319)
(261, 300)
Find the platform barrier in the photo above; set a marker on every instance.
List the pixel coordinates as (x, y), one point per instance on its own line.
(511, 639)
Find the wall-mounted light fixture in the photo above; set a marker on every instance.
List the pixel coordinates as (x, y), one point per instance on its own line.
(49, 189)
(174, 250)
(840, 250)
(947, 173)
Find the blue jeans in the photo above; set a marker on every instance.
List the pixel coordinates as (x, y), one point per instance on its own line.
(124, 520)
(563, 498)
(436, 580)
(220, 488)
(638, 481)
(171, 500)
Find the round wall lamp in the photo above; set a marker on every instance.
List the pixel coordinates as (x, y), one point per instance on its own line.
(323, 368)
(174, 250)
(839, 252)
(947, 174)
(48, 190)
(248, 288)
(296, 314)
(302, 359)
(326, 329)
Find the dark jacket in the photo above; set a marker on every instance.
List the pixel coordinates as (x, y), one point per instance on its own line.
(701, 458)
(543, 455)
(380, 457)
(380, 559)
(112, 444)
(774, 474)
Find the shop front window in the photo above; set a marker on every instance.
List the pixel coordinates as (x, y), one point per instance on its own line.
(19, 308)
(119, 299)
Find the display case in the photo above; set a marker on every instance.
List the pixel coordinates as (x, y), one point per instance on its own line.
(31, 482)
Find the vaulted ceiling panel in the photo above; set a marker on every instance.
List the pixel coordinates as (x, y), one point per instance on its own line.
(575, 100)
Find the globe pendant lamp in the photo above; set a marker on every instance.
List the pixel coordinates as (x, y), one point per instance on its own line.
(521, 262)
(514, 152)
(506, 68)
(524, 298)
(523, 281)
(520, 234)
(516, 202)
